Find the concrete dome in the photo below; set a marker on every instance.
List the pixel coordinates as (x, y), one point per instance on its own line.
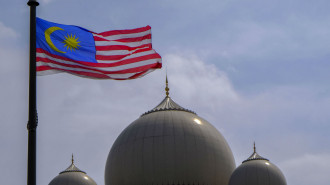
(72, 176)
(169, 145)
(257, 170)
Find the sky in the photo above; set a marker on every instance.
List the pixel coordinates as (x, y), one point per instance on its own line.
(257, 70)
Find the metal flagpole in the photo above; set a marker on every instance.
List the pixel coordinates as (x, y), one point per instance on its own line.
(33, 117)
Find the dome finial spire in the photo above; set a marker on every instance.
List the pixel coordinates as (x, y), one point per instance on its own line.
(166, 88)
(72, 160)
(255, 155)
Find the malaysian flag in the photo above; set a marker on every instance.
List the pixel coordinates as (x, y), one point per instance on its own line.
(117, 54)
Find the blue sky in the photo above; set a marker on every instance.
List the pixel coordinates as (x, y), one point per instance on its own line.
(257, 70)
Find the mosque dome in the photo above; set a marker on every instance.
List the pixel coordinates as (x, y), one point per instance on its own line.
(169, 145)
(72, 176)
(257, 170)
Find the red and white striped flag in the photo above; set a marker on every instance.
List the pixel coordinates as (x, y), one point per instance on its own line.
(118, 54)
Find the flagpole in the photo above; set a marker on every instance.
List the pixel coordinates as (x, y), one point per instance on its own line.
(33, 119)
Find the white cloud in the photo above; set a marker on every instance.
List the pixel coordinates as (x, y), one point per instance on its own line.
(7, 32)
(198, 82)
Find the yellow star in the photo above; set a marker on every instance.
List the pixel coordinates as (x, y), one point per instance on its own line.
(71, 42)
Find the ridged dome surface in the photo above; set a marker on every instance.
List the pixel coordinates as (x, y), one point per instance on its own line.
(257, 170)
(169, 145)
(72, 176)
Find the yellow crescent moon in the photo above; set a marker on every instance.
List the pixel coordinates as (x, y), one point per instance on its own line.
(48, 32)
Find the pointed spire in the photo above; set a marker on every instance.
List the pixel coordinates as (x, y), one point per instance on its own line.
(72, 160)
(166, 88)
(72, 167)
(167, 104)
(255, 155)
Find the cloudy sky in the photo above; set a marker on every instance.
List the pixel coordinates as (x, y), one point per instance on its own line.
(258, 70)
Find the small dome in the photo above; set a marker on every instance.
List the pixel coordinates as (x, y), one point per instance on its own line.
(169, 145)
(72, 176)
(257, 170)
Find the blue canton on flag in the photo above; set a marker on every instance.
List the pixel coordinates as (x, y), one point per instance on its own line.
(67, 41)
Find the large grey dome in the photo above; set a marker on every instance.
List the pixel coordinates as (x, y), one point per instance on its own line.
(72, 176)
(169, 145)
(257, 170)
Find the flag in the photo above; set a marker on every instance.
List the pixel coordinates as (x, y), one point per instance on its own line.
(116, 54)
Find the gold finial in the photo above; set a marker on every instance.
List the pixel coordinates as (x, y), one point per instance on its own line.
(254, 147)
(166, 88)
(72, 160)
